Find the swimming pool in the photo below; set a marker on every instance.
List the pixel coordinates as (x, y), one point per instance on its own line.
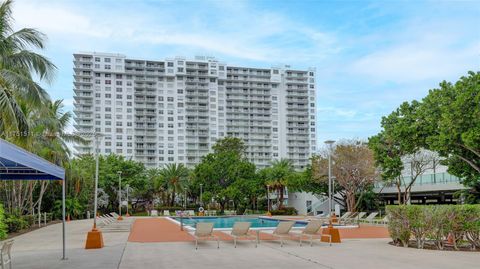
(227, 222)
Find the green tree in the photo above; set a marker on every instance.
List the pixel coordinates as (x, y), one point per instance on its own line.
(18, 66)
(446, 121)
(450, 121)
(219, 171)
(132, 173)
(174, 177)
(399, 143)
(277, 177)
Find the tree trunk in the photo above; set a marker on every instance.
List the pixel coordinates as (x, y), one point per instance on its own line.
(280, 202)
(351, 202)
(399, 195)
(222, 206)
(173, 199)
(43, 187)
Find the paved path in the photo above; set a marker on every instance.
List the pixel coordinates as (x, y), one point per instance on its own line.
(42, 249)
(352, 253)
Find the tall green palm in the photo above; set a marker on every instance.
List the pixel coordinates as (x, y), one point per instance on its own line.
(174, 176)
(18, 65)
(52, 125)
(278, 175)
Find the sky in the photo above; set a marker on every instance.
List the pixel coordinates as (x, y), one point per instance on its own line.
(370, 56)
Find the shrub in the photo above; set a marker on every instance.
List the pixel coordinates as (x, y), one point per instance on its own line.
(16, 223)
(398, 224)
(30, 219)
(173, 208)
(436, 223)
(471, 224)
(285, 211)
(3, 225)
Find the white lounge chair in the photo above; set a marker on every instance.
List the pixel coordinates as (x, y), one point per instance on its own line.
(345, 215)
(311, 231)
(204, 231)
(370, 217)
(353, 218)
(5, 254)
(241, 230)
(166, 213)
(283, 231)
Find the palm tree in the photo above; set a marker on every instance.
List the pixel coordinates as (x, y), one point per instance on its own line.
(50, 140)
(278, 175)
(18, 64)
(52, 124)
(174, 176)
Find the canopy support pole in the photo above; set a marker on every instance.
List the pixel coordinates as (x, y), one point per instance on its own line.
(63, 219)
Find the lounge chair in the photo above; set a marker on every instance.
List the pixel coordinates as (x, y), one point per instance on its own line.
(311, 231)
(353, 218)
(370, 217)
(204, 231)
(241, 230)
(166, 213)
(190, 213)
(5, 254)
(283, 230)
(344, 216)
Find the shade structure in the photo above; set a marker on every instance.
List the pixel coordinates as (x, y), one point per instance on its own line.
(19, 164)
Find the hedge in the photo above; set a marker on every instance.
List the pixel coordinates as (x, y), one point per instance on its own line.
(290, 211)
(435, 223)
(3, 225)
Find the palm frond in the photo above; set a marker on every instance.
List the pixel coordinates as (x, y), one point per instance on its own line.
(26, 38)
(24, 86)
(31, 61)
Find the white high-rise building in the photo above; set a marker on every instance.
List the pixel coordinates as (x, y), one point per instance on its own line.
(173, 110)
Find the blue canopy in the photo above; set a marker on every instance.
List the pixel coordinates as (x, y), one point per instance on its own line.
(17, 163)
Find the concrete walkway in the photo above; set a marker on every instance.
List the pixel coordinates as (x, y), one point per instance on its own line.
(42, 249)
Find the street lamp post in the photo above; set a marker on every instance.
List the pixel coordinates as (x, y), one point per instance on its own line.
(128, 188)
(95, 237)
(268, 198)
(119, 195)
(330, 190)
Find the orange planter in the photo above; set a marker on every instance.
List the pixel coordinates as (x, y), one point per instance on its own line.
(334, 233)
(94, 239)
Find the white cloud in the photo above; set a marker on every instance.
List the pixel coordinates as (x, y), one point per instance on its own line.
(56, 19)
(420, 50)
(249, 34)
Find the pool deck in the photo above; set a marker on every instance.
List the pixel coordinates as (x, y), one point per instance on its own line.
(42, 249)
(164, 230)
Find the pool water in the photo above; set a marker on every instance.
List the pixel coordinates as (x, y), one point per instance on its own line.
(227, 222)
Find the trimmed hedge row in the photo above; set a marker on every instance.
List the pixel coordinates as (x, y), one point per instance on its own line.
(285, 211)
(435, 223)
